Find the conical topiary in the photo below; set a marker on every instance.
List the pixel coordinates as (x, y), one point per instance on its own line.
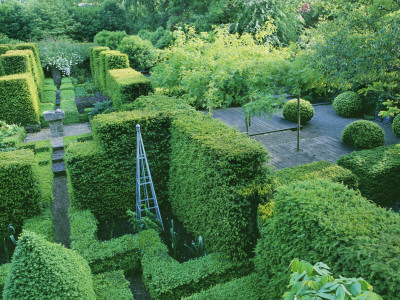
(44, 270)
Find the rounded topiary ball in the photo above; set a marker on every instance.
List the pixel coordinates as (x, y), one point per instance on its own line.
(289, 111)
(363, 134)
(396, 125)
(347, 104)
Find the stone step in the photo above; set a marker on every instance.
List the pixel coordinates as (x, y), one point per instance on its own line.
(58, 155)
(58, 147)
(59, 168)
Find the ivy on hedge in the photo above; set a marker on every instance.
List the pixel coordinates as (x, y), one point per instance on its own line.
(165, 278)
(19, 103)
(378, 172)
(316, 170)
(44, 270)
(125, 85)
(326, 221)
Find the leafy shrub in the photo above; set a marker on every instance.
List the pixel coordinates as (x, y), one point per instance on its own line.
(363, 134)
(35, 49)
(42, 224)
(19, 190)
(142, 55)
(111, 285)
(65, 80)
(316, 170)
(49, 97)
(95, 63)
(111, 39)
(50, 88)
(4, 48)
(110, 60)
(89, 101)
(396, 126)
(208, 188)
(325, 221)
(378, 172)
(71, 111)
(161, 38)
(11, 136)
(4, 270)
(66, 95)
(317, 281)
(42, 108)
(116, 254)
(41, 269)
(125, 85)
(103, 107)
(348, 104)
(66, 86)
(289, 111)
(165, 278)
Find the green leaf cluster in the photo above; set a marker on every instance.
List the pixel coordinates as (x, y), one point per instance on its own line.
(111, 39)
(289, 111)
(142, 54)
(110, 60)
(326, 221)
(111, 285)
(348, 104)
(363, 134)
(378, 172)
(396, 125)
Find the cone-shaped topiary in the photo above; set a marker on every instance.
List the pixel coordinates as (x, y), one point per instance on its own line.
(289, 111)
(347, 104)
(396, 126)
(363, 134)
(44, 270)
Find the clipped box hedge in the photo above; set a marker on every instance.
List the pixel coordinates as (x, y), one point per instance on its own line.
(166, 278)
(35, 49)
(20, 193)
(111, 285)
(116, 254)
(71, 111)
(42, 108)
(316, 170)
(66, 86)
(95, 63)
(378, 172)
(125, 85)
(212, 167)
(325, 221)
(110, 60)
(19, 103)
(50, 88)
(3, 49)
(49, 96)
(4, 270)
(66, 80)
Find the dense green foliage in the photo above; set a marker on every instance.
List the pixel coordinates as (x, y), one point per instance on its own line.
(316, 170)
(396, 125)
(4, 270)
(377, 171)
(317, 281)
(125, 85)
(348, 104)
(19, 103)
(242, 288)
(214, 182)
(19, 189)
(161, 38)
(44, 270)
(165, 278)
(111, 285)
(325, 221)
(289, 111)
(110, 60)
(110, 39)
(363, 134)
(142, 55)
(11, 136)
(95, 63)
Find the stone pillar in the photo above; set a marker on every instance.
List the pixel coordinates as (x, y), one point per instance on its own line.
(55, 117)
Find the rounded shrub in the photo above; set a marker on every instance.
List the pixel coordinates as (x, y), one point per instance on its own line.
(396, 126)
(363, 134)
(289, 111)
(142, 54)
(347, 104)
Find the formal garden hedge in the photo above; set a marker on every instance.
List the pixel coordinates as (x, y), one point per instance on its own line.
(110, 60)
(125, 85)
(289, 111)
(95, 63)
(35, 50)
(19, 103)
(325, 221)
(42, 268)
(316, 170)
(363, 134)
(111, 285)
(4, 48)
(378, 172)
(348, 104)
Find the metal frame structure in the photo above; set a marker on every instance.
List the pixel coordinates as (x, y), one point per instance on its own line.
(144, 182)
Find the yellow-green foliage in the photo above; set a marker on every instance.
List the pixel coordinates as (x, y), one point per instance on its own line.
(44, 270)
(111, 285)
(125, 85)
(42, 108)
(95, 63)
(4, 48)
(20, 193)
(4, 270)
(19, 103)
(71, 111)
(110, 60)
(34, 47)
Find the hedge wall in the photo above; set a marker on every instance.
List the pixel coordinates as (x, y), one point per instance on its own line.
(325, 221)
(42, 108)
(19, 190)
(71, 112)
(211, 164)
(44, 270)
(125, 85)
(4, 48)
(49, 97)
(35, 50)
(4, 271)
(378, 172)
(103, 256)
(19, 103)
(316, 170)
(165, 278)
(111, 286)
(95, 63)
(110, 60)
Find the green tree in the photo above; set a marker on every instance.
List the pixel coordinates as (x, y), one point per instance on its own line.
(13, 20)
(112, 16)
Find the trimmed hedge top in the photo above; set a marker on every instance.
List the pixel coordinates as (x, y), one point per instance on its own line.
(363, 134)
(289, 111)
(348, 104)
(44, 270)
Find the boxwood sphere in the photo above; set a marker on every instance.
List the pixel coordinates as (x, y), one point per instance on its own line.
(289, 111)
(347, 104)
(396, 125)
(363, 134)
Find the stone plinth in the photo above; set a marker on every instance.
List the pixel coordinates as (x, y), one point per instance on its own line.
(55, 117)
